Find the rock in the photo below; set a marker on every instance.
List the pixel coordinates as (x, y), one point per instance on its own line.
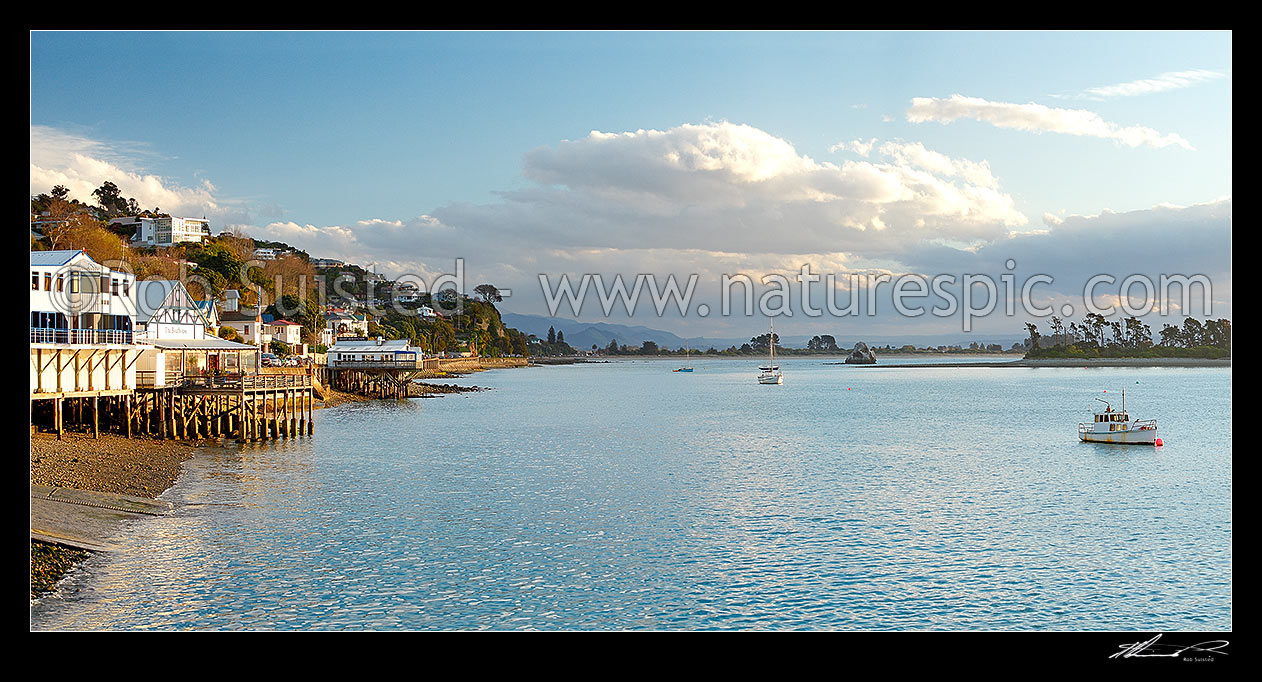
(861, 355)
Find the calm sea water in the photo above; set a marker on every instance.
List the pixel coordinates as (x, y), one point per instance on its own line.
(624, 496)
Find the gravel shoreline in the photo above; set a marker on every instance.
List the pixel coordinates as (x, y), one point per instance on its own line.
(139, 467)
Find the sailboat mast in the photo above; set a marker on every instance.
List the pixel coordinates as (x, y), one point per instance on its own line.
(772, 343)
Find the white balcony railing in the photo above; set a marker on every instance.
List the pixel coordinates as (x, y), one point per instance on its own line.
(81, 336)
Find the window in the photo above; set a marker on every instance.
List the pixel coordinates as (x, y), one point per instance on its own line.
(48, 281)
(34, 281)
(61, 283)
(114, 287)
(127, 287)
(74, 284)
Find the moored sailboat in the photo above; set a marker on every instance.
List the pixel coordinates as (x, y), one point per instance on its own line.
(687, 362)
(771, 374)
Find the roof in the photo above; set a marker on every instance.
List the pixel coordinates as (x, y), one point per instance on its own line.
(370, 345)
(198, 344)
(152, 295)
(54, 258)
(285, 322)
(236, 316)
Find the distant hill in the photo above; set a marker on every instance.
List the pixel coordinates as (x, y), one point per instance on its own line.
(583, 334)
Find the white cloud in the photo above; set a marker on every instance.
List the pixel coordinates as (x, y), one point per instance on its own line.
(708, 199)
(1037, 118)
(83, 164)
(1171, 80)
(859, 147)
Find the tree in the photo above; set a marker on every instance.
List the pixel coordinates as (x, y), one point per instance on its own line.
(552, 335)
(1033, 329)
(1193, 334)
(60, 192)
(110, 199)
(1170, 335)
(822, 342)
(763, 341)
(1218, 333)
(1095, 324)
(1138, 334)
(488, 293)
(560, 337)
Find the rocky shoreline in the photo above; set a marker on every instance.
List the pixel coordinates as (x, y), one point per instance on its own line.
(420, 389)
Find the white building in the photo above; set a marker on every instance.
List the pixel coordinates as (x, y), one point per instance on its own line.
(74, 299)
(165, 230)
(82, 326)
(374, 353)
(248, 324)
(266, 254)
(165, 310)
(343, 324)
(284, 331)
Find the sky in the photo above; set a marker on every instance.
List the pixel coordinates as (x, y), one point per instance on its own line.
(675, 153)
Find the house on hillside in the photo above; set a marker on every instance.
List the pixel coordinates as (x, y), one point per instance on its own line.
(344, 324)
(164, 230)
(284, 331)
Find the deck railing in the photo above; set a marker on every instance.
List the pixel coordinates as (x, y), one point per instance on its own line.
(174, 379)
(375, 364)
(81, 336)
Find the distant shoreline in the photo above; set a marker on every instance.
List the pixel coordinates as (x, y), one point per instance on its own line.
(1078, 362)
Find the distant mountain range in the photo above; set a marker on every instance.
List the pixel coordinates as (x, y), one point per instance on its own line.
(582, 335)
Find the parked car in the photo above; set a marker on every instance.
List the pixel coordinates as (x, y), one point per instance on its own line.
(269, 360)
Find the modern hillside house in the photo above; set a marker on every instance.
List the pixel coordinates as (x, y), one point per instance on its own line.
(165, 230)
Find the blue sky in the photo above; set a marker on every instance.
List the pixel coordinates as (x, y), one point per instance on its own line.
(410, 149)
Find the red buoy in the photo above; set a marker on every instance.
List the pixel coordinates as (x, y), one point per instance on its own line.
(1158, 442)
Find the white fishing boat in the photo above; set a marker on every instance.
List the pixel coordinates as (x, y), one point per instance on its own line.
(1113, 426)
(771, 373)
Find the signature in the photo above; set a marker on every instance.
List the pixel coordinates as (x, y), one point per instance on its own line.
(1152, 649)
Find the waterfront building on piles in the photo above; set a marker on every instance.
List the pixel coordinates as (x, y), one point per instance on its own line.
(82, 327)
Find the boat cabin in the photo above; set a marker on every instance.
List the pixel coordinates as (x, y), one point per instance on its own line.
(1112, 421)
